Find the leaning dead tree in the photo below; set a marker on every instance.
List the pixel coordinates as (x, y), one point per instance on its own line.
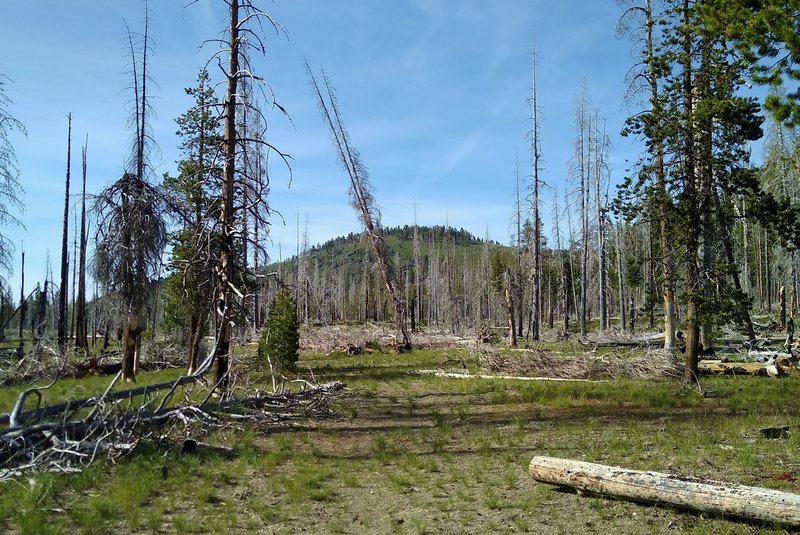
(361, 197)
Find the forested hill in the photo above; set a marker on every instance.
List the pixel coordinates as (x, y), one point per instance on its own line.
(437, 234)
(351, 254)
(342, 250)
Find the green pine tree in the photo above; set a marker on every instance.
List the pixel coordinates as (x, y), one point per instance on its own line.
(280, 339)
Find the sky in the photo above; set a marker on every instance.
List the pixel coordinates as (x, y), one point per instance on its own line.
(434, 94)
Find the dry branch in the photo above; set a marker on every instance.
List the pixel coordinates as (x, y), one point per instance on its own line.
(63, 437)
(750, 503)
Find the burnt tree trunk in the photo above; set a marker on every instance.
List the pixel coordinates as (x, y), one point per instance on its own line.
(81, 338)
(62, 301)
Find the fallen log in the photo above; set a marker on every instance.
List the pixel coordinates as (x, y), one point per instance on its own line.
(451, 375)
(738, 501)
(779, 366)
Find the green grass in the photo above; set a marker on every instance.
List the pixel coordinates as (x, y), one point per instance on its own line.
(71, 388)
(415, 454)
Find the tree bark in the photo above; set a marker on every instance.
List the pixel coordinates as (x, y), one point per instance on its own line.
(751, 503)
(663, 202)
(620, 277)
(782, 296)
(224, 306)
(22, 307)
(690, 192)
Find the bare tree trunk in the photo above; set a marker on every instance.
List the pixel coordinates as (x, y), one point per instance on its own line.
(130, 336)
(537, 224)
(22, 307)
(690, 192)
(62, 302)
(224, 304)
(81, 339)
(767, 272)
(620, 277)
(584, 164)
(782, 297)
(766, 506)
(417, 268)
(195, 337)
(512, 334)
(663, 202)
(794, 283)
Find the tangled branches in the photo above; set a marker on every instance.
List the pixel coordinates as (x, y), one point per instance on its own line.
(70, 435)
(537, 363)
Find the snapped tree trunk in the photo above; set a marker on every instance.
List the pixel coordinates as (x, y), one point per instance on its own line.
(130, 343)
(512, 334)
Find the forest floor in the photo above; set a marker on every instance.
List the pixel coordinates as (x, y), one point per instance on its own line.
(416, 454)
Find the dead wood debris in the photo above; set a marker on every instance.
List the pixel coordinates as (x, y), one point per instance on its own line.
(67, 436)
(538, 363)
(43, 361)
(370, 338)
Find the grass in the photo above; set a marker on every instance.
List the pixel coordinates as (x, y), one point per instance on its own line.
(71, 388)
(421, 454)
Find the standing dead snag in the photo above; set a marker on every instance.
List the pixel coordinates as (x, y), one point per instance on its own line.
(361, 198)
(62, 299)
(241, 196)
(131, 232)
(81, 339)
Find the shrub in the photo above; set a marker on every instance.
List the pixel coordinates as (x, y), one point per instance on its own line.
(280, 339)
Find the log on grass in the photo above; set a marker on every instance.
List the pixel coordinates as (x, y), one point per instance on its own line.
(452, 375)
(739, 501)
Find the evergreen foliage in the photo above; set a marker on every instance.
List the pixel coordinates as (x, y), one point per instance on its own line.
(188, 288)
(280, 339)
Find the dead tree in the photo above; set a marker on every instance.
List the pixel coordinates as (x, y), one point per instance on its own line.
(537, 224)
(245, 20)
(131, 233)
(81, 339)
(509, 293)
(361, 198)
(62, 299)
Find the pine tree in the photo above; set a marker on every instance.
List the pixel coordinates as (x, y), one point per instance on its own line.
(188, 289)
(279, 344)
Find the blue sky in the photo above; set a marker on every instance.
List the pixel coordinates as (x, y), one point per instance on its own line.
(433, 92)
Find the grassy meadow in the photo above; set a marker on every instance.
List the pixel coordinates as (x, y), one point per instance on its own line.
(421, 454)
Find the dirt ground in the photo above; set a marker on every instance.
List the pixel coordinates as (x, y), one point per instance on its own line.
(426, 455)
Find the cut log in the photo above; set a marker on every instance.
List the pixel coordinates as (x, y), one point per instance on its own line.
(738, 501)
